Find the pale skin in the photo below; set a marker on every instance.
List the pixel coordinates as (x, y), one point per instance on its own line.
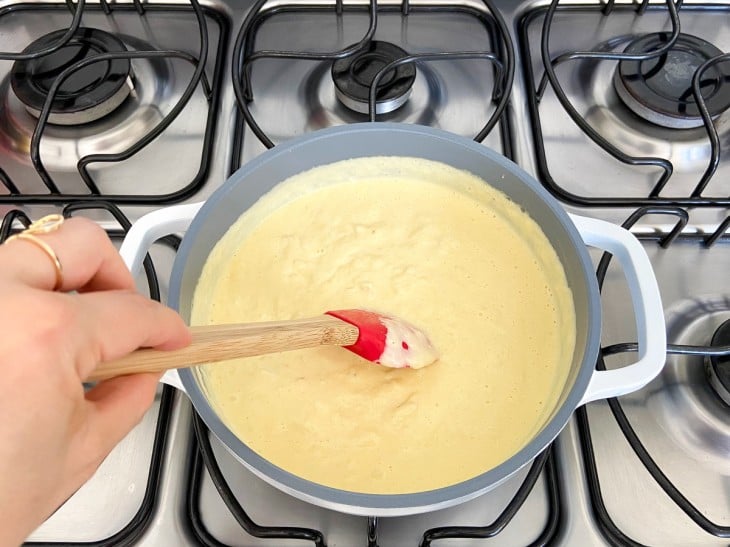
(54, 434)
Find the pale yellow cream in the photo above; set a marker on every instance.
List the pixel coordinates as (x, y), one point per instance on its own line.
(419, 240)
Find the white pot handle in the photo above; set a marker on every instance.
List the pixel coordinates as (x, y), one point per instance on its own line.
(152, 227)
(647, 310)
(604, 235)
(140, 238)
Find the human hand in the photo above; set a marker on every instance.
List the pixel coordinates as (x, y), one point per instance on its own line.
(55, 435)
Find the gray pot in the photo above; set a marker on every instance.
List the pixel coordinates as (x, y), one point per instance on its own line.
(206, 223)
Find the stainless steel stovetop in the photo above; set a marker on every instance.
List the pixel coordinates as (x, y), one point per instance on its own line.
(595, 486)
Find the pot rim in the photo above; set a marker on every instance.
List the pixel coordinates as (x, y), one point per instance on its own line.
(418, 502)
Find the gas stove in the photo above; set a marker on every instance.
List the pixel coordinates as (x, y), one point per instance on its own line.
(112, 109)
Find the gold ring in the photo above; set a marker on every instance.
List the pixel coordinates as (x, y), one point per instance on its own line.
(45, 225)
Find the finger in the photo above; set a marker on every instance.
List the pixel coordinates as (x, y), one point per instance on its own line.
(118, 322)
(115, 407)
(89, 259)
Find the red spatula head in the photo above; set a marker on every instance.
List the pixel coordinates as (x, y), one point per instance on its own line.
(388, 340)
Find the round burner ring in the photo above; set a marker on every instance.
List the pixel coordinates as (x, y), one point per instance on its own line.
(88, 94)
(660, 89)
(352, 76)
(718, 368)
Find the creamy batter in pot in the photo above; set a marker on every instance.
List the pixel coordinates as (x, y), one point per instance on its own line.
(413, 238)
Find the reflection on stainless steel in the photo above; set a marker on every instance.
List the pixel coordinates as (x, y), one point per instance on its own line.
(63, 147)
(579, 528)
(589, 85)
(169, 524)
(382, 107)
(688, 150)
(173, 160)
(678, 418)
(685, 403)
(292, 97)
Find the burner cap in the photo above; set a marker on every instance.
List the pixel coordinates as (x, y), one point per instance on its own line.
(353, 75)
(718, 368)
(86, 95)
(660, 89)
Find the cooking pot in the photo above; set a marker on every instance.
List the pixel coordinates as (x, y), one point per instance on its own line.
(205, 223)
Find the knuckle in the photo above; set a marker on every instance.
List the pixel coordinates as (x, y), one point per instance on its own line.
(92, 232)
(31, 310)
(85, 225)
(147, 305)
(54, 328)
(58, 315)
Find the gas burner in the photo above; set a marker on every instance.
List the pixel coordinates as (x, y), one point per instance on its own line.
(88, 94)
(718, 368)
(660, 89)
(682, 400)
(353, 75)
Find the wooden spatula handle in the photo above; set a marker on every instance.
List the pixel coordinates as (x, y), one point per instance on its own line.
(221, 342)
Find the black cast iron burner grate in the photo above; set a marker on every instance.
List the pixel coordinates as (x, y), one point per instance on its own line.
(716, 66)
(203, 459)
(500, 55)
(13, 221)
(199, 79)
(607, 526)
